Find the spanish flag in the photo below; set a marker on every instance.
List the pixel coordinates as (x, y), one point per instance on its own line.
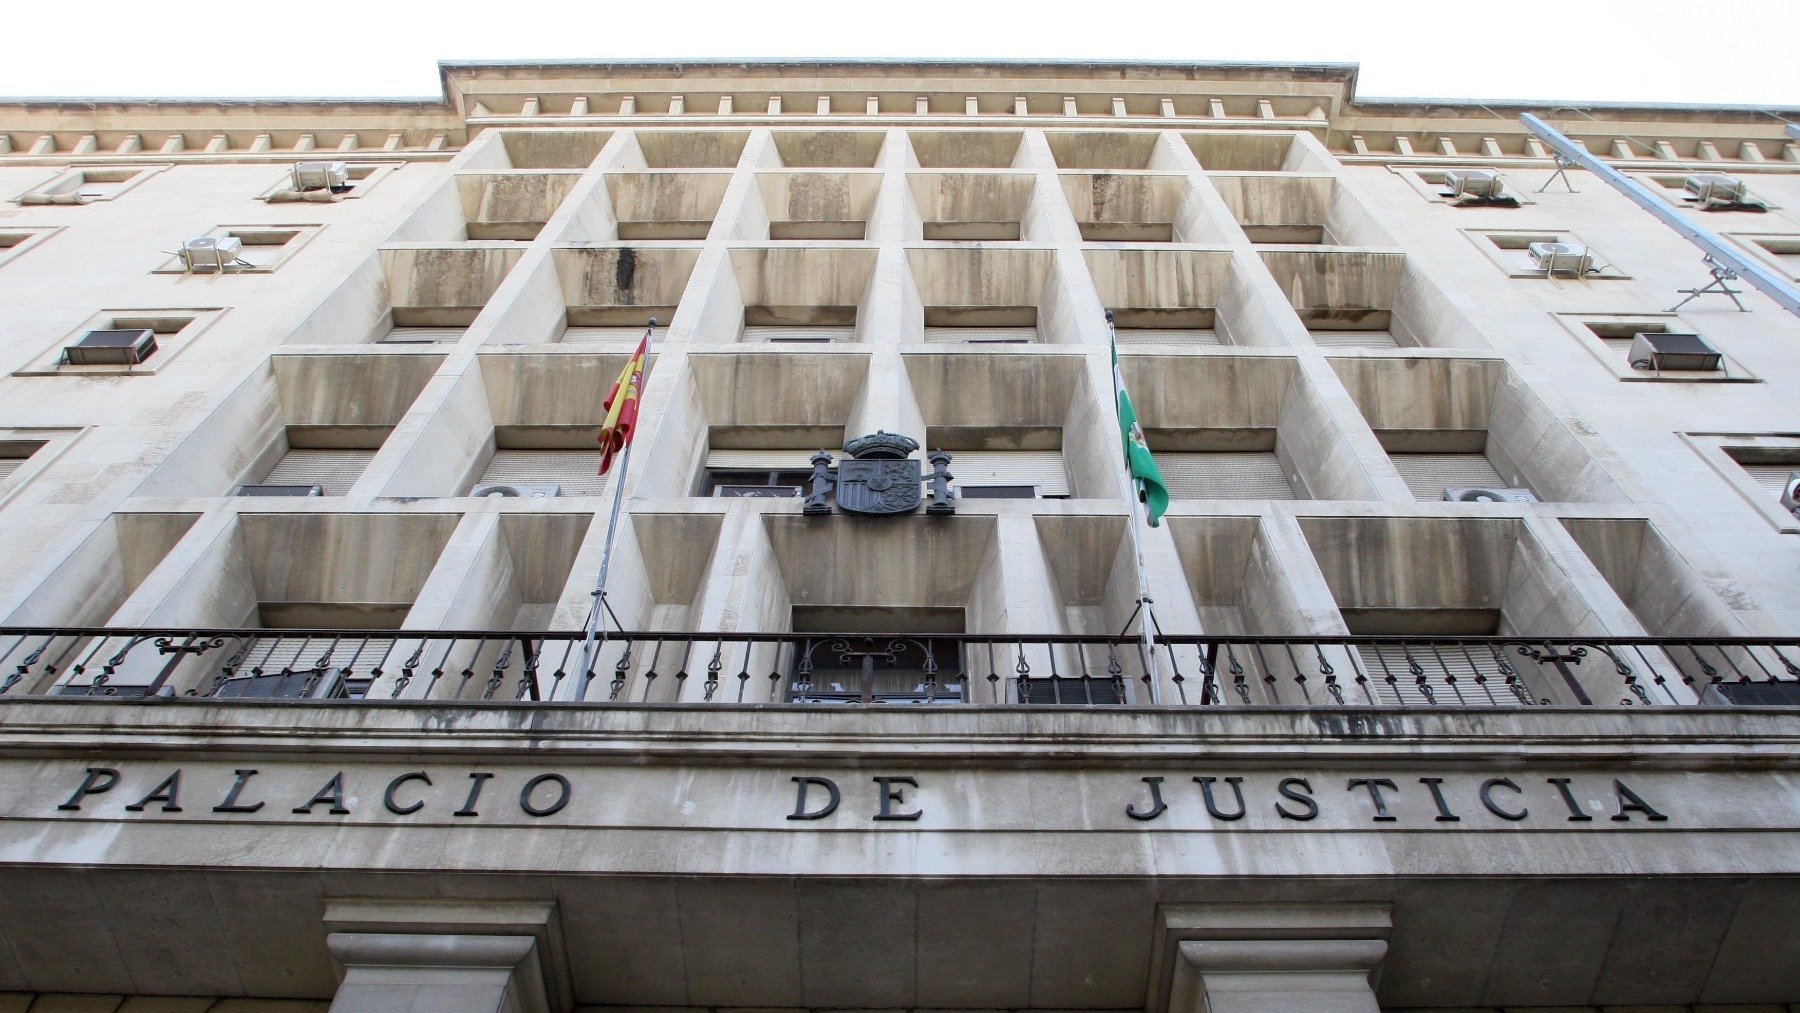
(622, 407)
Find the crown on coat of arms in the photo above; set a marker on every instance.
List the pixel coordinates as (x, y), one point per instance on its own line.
(881, 445)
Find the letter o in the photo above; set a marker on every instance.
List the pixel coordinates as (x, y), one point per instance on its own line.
(562, 797)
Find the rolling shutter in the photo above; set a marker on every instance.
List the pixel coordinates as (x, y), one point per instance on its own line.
(573, 470)
(8, 465)
(1438, 664)
(334, 471)
(621, 334)
(764, 460)
(947, 335)
(799, 334)
(1428, 475)
(1772, 477)
(1223, 475)
(1167, 336)
(1354, 339)
(1042, 468)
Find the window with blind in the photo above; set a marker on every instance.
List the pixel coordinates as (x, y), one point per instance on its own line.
(981, 335)
(976, 470)
(1167, 336)
(573, 471)
(333, 471)
(1354, 339)
(1224, 475)
(1428, 475)
(798, 334)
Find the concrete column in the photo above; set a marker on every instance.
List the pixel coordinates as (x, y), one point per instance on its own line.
(404, 973)
(1268, 958)
(1277, 976)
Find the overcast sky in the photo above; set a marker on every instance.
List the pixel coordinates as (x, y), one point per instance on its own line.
(1736, 52)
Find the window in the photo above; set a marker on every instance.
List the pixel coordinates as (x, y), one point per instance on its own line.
(1006, 474)
(1429, 475)
(997, 491)
(1255, 475)
(1609, 338)
(1780, 252)
(170, 332)
(572, 471)
(13, 455)
(89, 184)
(26, 452)
(1434, 185)
(1546, 253)
(14, 240)
(1168, 336)
(735, 484)
(361, 178)
(422, 335)
(981, 335)
(261, 249)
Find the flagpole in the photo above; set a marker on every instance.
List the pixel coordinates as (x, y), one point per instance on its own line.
(612, 529)
(1146, 624)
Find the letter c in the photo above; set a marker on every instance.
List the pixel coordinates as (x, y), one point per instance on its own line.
(1487, 798)
(387, 798)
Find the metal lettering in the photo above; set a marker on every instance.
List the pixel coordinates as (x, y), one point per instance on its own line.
(92, 784)
(332, 792)
(891, 795)
(1157, 805)
(387, 797)
(1212, 807)
(1286, 789)
(1568, 797)
(479, 778)
(562, 799)
(166, 793)
(1630, 802)
(1437, 796)
(230, 804)
(1487, 798)
(1374, 786)
(831, 789)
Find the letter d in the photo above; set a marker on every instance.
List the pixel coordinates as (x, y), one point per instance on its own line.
(831, 789)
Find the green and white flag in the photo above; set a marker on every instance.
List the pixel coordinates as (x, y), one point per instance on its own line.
(1145, 479)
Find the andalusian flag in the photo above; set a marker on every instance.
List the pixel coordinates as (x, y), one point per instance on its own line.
(622, 407)
(1145, 479)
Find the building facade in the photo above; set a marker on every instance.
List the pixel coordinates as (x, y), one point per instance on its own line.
(1473, 638)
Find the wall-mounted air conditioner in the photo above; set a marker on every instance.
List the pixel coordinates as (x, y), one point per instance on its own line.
(512, 490)
(278, 490)
(212, 253)
(1659, 350)
(111, 347)
(1715, 191)
(1489, 494)
(1561, 258)
(311, 176)
(1473, 184)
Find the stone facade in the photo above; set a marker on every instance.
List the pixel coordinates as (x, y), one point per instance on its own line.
(1553, 809)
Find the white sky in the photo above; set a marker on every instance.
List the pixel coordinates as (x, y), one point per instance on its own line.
(1695, 51)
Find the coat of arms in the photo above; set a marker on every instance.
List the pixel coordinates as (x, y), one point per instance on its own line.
(879, 477)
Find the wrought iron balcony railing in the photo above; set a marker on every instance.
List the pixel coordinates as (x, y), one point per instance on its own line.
(477, 667)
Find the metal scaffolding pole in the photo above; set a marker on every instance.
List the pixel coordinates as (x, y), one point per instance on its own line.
(1720, 252)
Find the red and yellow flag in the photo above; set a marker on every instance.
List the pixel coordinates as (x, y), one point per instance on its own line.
(622, 407)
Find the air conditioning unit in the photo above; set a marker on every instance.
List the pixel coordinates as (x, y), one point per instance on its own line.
(1711, 189)
(211, 253)
(1561, 258)
(310, 176)
(1473, 183)
(1488, 494)
(1790, 493)
(757, 491)
(112, 347)
(542, 490)
(278, 490)
(1660, 350)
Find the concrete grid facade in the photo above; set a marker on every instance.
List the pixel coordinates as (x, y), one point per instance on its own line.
(1319, 343)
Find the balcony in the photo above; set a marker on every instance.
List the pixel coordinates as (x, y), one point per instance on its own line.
(912, 669)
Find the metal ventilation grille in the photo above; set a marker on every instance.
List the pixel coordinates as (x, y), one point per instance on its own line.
(1167, 336)
(1449, 671)
(1254, 475)
(943, 335)
(334, 471)
(1042, 468)
(799, 334)
(1772, 477)
(763, 460)
(573, 470)
(423, 335)
(1354, 339)
(1428, 475)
